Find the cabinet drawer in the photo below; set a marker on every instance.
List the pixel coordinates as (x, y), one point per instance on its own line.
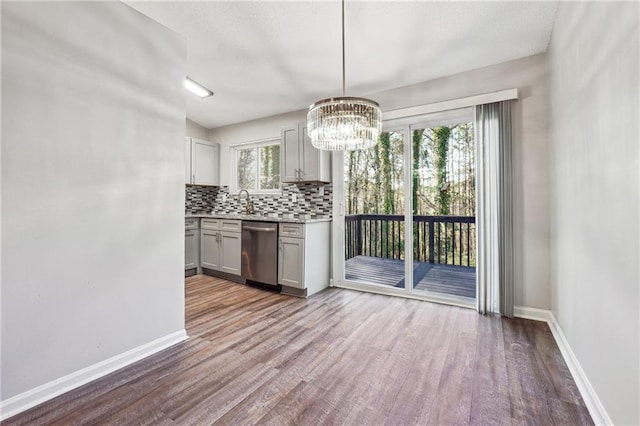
(210, 224)
(230, 225)
(292, 230)
(191, 223)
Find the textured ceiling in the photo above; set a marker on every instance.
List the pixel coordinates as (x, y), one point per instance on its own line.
(266, 58)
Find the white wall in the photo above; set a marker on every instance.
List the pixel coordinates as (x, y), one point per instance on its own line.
(531, 153)
(93, 121)
(194, 130)
(594, 76)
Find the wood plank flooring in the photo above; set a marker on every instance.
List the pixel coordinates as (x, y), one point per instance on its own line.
(446, 279)
(429, 277)
(339, 357)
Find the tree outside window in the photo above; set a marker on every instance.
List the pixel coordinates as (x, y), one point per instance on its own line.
(258, 167)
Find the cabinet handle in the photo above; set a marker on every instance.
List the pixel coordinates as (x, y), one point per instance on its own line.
(252, 228)
(193, 178)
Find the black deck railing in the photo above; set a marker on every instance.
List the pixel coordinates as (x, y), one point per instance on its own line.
(436, 239)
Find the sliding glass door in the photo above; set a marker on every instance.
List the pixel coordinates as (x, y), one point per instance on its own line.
(409, 210)
(373, 199)
(443, 208)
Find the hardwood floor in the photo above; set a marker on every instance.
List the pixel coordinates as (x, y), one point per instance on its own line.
(339, 357)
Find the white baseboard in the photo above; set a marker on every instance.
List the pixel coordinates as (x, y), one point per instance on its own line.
(591, 400)
(21, 402)
(532, 313)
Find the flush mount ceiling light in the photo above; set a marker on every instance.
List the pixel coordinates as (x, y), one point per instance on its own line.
(344, 123)
(197, 89)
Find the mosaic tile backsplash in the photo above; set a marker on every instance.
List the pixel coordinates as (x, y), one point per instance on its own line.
(200, 199)
(312, 198)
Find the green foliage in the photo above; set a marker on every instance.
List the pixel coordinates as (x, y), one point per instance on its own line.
(270, 167)
(442, 176)
(387, 189)
(258, 167)
(441, 151)
(377, 179)
(247, 168)
(417, 139)
(442, 181)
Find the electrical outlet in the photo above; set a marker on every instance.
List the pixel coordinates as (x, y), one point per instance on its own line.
(321, 191)
(294, 197)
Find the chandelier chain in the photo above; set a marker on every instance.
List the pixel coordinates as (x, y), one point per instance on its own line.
(343, 66)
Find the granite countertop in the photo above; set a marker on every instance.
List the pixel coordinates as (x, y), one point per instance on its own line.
(288, 218)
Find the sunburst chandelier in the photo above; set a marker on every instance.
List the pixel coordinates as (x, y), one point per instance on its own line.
(344, 123)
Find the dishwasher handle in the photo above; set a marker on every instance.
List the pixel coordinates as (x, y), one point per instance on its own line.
(253, 228)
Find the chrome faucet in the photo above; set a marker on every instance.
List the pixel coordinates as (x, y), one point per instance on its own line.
(248, 209)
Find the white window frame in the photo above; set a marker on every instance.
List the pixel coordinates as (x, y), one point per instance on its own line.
(234, 166)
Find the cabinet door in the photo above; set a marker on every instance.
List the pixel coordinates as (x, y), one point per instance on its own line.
(191, 249)
(291, 262)
(187, 160)
(315, 163)
(310, 157)
(289, 154)
(205, 162)
(230, 252)
(209, 249)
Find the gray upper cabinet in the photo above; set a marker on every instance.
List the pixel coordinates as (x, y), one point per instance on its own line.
(202, 162)
(289, 154)
(300, 161)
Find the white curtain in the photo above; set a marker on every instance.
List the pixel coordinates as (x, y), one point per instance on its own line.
(494, 216)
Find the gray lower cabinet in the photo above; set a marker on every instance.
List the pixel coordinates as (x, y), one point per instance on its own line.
(210, 249)
(291, 262)
(191, 249)
(192, 244)
(303, 257)
(220, 245)
(230, 252)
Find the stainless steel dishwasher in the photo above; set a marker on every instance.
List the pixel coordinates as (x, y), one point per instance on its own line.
(260, 252)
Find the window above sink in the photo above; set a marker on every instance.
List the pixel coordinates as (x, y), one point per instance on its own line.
(256, 167)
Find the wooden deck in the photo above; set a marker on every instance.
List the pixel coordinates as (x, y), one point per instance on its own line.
(430, 277)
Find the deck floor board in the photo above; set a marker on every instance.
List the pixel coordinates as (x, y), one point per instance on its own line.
(430, 277)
